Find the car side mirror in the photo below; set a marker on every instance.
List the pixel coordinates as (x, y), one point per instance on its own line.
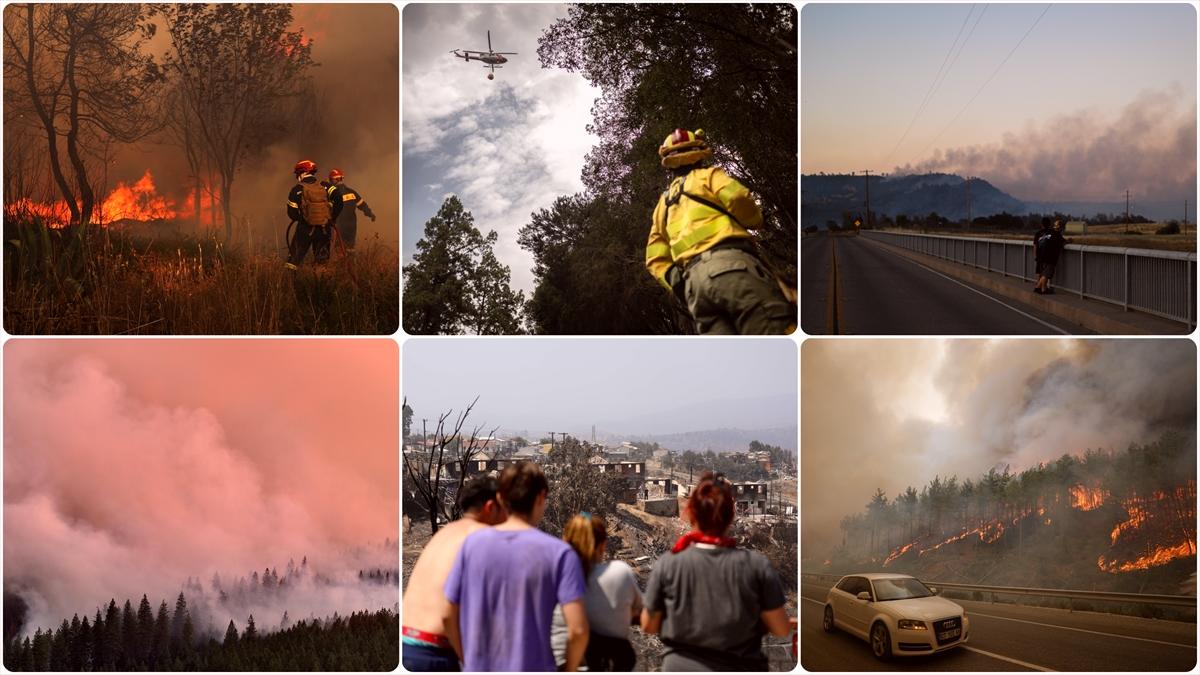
(864, 595)
(935, 590)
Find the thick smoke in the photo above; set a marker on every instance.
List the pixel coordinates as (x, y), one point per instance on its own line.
(130, 467)
(1149, 149)
(354, 114)
(893, 413)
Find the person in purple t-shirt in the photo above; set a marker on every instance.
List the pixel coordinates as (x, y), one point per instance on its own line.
(506, 581)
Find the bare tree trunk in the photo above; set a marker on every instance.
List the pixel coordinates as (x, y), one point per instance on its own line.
(226, 206)
(87, 197)
(47, 117)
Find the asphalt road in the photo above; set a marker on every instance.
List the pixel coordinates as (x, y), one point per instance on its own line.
(1013, 637)
(850, 286)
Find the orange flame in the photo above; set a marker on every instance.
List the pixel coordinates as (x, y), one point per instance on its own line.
(209, 207)
(139, 201)
(1086, 499)
(988, 533)
(1144, 516)
(1159, 556)
(898, 552)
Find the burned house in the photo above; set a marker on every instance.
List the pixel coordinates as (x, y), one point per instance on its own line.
(633, 472)
(750, 498)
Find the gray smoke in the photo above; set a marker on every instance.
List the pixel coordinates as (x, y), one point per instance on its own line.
(893, 413)
(1149, 149)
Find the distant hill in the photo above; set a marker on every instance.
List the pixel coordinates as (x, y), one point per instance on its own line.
(826, 197)
(725, 440)
(1160, 211)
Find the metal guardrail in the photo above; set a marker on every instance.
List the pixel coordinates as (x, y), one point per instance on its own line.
(1145, 598)
(1162, 283)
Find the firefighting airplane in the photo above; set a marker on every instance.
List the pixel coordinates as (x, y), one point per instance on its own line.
(493, 59)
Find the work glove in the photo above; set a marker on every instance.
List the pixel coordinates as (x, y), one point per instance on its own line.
(674, 277)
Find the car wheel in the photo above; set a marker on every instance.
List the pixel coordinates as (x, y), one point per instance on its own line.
(827, 623)
(881, 642)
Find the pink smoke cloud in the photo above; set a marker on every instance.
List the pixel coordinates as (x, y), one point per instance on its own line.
(130, 466)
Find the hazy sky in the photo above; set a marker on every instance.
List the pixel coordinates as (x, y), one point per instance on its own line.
(506, 147)
(893, 413)
(131, 465)
(568, 384)
(1102, 84)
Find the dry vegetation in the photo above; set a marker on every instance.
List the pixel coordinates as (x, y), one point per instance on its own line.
(64, 282)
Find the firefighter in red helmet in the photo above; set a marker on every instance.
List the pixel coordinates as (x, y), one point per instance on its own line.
(701, 249)
(313, 213)
(350, 201)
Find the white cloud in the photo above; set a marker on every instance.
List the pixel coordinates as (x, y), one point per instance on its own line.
(508, 146)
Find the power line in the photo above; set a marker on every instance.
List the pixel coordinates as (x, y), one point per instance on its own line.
(986, 82)
(936, 78)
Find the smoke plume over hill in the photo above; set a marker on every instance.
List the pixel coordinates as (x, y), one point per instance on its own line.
(1149, 149)
(916, 409)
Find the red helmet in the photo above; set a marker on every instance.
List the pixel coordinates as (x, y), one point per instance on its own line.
(336, 174)
(305, 166)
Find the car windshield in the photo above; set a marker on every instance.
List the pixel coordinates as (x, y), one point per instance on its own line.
(900, 589)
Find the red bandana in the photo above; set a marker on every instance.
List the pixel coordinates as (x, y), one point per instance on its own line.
(694, 537)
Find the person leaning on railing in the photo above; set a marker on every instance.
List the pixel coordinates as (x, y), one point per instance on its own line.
(709, 601)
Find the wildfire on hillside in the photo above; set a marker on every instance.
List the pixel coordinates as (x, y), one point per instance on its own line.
(137, 201)
(1162, 527)
(1086, 499)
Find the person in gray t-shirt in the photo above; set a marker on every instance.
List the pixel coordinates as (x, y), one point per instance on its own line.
(710, 602)
(612, 601)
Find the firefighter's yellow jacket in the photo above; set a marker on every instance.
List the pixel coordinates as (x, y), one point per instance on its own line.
(689, 227)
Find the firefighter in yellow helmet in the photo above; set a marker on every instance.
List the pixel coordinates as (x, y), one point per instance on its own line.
(700, 247)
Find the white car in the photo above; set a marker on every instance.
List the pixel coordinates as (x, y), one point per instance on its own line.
(896, 613)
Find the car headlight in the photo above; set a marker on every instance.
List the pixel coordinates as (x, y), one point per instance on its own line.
(909, 624)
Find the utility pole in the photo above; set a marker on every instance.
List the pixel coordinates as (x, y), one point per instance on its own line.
(968, 202)
(1185, 216)
(867, 174)
(1127, 212)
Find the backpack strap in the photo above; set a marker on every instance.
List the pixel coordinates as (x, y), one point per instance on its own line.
(715, 207)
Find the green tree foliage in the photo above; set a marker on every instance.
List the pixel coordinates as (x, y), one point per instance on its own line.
(589, 264)
(363, 641)
(729, 69)
(231, 635)
(945, 506)
(455, 284)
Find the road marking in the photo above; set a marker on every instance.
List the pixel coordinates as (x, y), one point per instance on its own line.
(1009, 659)
(973, 290)
(831, 314)
(976, 650)
(1084, 630)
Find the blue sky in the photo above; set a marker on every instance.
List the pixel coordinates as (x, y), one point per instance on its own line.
(506, 147)
(1093, 86)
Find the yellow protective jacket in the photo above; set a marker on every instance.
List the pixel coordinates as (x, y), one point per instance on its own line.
(687, 227)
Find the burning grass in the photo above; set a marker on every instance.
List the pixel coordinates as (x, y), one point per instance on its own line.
(58, 282)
